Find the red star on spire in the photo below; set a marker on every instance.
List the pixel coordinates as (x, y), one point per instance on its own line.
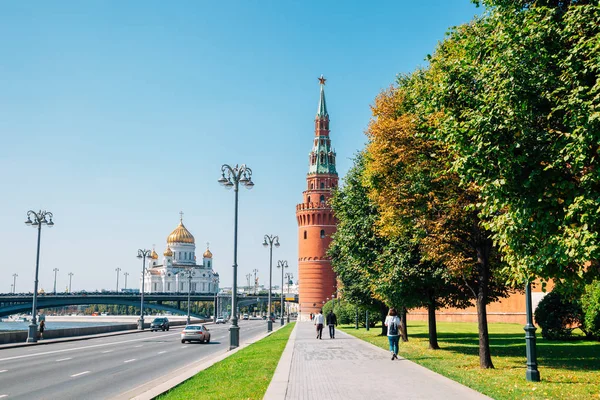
(322, 80)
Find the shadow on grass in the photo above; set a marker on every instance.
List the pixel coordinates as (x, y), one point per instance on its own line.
(571, 355)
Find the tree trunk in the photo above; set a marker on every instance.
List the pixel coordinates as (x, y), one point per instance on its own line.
(485, 357)
(433, 343)
(403, 325)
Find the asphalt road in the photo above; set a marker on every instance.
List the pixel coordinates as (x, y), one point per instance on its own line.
(107, 367)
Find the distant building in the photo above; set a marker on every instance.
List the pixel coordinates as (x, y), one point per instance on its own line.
(179, 259)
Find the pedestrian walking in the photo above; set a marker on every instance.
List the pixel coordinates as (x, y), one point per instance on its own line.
(319, 323)
(311, 316)
(331, 323)
(393, 331)
(42, 327)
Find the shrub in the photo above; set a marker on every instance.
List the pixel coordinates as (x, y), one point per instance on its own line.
(557, 316)
(590, 304)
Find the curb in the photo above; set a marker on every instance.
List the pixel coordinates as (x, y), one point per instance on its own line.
(277, 389)
(153, 388)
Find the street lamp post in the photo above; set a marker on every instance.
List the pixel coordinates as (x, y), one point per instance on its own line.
(215, 282)
(142, 254)
(117, 270)
(532, 374)
(269, 241)
(282, 264)
(248, 278)
(235, 176)
(189, 273)
(39, 219)
(55, 271)
(70, 279)
(12, 290)
(255, 281)
(288, 277)
(126, 275)
(14, 286)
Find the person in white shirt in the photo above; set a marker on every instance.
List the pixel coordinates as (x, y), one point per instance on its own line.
(318, 321)
(393, 332)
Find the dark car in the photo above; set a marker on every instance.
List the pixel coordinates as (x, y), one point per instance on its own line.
(159, 324)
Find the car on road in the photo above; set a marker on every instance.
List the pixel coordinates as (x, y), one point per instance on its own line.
(159, 324)
(220, 320)
(195, 333)
(245, 316)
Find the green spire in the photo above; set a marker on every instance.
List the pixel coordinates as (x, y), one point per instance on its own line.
(322, 110)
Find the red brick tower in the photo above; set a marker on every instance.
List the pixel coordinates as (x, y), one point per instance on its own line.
(316, 222)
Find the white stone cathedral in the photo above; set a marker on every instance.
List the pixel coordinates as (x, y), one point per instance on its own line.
(172, 276)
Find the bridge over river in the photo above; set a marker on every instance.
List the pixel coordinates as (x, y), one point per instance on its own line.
(169, 302)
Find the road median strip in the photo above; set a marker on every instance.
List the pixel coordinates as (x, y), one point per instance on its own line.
(238, 367)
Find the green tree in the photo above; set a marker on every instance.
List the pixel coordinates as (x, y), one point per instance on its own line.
(520, 97)
(409, 178)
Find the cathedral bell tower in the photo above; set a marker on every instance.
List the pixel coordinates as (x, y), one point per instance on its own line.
(316, 222)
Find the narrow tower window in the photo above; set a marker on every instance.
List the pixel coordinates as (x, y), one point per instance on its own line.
(304, 234)
(322, 199)
(322, 233)
(308, 199)
(322, 185)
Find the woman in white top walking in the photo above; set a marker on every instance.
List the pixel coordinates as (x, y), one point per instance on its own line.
(393, 331)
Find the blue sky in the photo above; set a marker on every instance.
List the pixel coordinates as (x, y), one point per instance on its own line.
(117, 115)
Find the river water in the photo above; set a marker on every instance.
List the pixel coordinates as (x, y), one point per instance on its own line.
(23, 326)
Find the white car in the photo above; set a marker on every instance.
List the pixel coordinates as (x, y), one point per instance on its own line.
(220, 320)
(195, 333)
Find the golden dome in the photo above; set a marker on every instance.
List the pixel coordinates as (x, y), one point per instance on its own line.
(180, 235)
(207, 254)
(154, 255)
(168, 252)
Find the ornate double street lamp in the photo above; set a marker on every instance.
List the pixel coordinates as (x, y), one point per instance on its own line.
(215, 283)
(189, 273)
(142, 254)
(70, 279)
(55, 272)
(14, 286)
(255, 281)
(235, 176)
(269, 241)
(117, 270)
(288, 278)
(282, 264)
(39, 218)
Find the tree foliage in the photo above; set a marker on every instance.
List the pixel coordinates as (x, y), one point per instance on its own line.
(520, 96)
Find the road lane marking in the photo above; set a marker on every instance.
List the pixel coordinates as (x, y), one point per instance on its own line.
(160, 352)
(82, 348)
(183, 347)
(3, 396)
(81, 373)
(139, 345)
(107, 351)
(126, 361)
(4, 370)
(64, 359)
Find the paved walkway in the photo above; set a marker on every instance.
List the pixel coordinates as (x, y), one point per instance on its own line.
(349, 368)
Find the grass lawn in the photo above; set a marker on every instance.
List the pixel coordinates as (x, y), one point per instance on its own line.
(243, 375)
(569, 370)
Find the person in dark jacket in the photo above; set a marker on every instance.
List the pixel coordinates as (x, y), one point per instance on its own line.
(332, 323)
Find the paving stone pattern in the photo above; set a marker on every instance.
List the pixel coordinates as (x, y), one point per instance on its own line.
(349, 368)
